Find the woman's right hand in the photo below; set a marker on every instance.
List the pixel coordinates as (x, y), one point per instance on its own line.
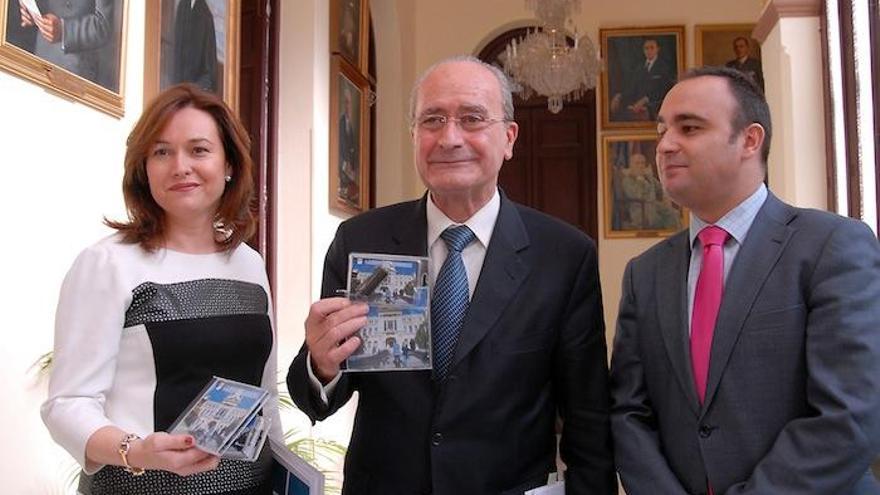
(175, 453)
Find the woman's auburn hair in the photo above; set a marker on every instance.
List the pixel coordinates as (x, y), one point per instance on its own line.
(234, 220)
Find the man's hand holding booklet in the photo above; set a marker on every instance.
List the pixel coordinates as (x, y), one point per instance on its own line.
(224, 421)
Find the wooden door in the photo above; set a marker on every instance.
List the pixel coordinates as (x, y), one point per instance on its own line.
(554, 160)
(258, 96)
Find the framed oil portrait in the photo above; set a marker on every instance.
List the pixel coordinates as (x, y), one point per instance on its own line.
(730, 45)
(349, 31)
(81, 58)
(635, 205)
(349, 138)
(642, 64)
(193, 41)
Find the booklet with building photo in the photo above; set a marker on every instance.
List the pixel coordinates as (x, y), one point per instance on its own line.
(223, 419)
(398, 332)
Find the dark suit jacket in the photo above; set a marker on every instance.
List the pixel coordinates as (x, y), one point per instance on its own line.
(195, 46)
(532, 343)
(751, 67)
(793, 396)
(348, 166)
(22, 37)
(653, 84)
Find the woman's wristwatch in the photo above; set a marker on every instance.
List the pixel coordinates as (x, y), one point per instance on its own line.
(124, 447)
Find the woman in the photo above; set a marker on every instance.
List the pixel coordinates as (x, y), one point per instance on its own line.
(148, 315)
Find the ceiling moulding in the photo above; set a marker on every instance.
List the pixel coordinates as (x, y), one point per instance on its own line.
(779, 9)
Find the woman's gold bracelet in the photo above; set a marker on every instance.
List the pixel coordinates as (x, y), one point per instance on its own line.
(124, 447)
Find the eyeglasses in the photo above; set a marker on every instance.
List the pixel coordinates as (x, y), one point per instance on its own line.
(469, 122)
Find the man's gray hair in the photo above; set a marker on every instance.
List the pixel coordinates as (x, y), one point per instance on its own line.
(503, 84)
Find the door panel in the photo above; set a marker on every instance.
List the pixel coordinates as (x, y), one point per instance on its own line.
(257, 103)
(554, 160)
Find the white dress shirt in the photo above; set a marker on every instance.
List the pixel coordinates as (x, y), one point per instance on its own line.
(737, 223)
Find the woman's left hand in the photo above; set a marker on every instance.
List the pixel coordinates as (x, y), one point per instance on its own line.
(175, 453)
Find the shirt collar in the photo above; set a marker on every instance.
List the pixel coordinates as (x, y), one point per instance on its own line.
(736, 221)
(482, 223)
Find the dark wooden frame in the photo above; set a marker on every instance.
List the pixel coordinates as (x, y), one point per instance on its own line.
(850, 96)
(850, 108)
(606, 36)
(258, 84)
(28, 66)
(340, 68)
(610, 188)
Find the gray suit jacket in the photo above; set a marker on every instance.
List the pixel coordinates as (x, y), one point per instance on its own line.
(793, 395)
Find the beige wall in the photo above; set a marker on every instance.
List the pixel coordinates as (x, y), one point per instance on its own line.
(792, 59)
(452, 27)
(395, 176)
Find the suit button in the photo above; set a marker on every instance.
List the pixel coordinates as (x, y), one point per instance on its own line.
(452, 378)
(705, 431)
(436, 438)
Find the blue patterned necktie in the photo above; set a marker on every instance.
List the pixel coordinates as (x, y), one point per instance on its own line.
(450, 300)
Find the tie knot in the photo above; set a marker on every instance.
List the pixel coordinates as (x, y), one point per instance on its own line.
(458, 237)
(713, 236)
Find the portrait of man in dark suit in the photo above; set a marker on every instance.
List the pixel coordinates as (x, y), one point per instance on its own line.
(193, 34)
(747, 356)
(348, 167)
(18, 33)
(516, 321)
(80, 36)
(641, 67)
(745, 62)
(648, 81)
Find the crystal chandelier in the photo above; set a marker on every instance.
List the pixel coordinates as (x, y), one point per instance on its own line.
(542, 62)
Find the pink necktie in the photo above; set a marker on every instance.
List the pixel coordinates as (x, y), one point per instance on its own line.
(707, 299)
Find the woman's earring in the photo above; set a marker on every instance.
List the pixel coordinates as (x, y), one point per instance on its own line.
(228, 178)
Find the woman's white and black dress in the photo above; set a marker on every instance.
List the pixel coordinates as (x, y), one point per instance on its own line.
(137, 337)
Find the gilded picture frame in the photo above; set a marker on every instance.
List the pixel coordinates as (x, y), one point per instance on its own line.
(349, 173)
(642, 64)
(77, 52)
(729, 45)
(635, 205)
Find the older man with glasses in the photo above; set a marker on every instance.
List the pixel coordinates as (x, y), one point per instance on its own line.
(523, 344)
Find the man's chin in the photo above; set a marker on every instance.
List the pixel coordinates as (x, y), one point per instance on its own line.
(450, 182)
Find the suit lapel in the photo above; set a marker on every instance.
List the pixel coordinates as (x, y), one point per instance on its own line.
(502, 273)
(764, 244)
(410, 232)
(672, 304)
